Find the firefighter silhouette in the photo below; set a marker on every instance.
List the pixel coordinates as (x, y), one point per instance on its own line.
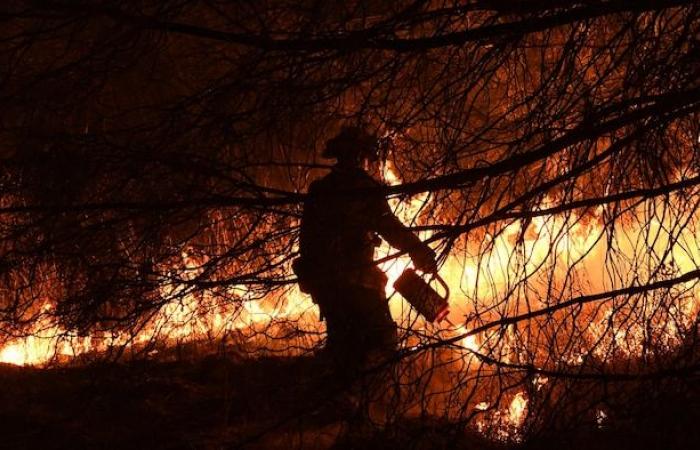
(344, 215)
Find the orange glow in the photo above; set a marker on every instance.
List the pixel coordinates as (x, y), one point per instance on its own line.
(479, 279)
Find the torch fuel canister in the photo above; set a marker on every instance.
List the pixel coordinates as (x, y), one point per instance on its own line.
(422, 296)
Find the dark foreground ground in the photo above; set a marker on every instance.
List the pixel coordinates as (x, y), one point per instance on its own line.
(221, 402)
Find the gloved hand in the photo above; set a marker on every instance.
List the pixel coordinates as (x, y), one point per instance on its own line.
(424, 259)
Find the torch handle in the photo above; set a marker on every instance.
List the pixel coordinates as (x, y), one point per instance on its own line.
(444, 285)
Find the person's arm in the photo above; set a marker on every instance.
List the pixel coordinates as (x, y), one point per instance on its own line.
(398, 235)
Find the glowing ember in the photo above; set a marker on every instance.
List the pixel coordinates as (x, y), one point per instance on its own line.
(600, 418)
(517, 410)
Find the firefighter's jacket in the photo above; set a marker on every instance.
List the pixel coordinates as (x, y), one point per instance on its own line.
(342, 217)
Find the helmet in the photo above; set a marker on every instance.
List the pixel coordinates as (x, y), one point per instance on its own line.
(351, 142)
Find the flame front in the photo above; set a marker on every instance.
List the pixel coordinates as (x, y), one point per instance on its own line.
(486, 281)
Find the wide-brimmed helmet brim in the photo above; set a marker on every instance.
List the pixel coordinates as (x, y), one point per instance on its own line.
(351, 142)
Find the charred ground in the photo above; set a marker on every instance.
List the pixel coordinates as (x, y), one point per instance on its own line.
(230, 402)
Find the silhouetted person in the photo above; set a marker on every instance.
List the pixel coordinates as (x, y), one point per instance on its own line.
(343, 218)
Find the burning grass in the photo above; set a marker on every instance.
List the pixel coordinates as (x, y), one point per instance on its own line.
(528, 317)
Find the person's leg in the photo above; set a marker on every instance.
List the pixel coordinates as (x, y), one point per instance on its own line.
(378, 329)
(336, 304)
(358, 323)
(375, 343)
